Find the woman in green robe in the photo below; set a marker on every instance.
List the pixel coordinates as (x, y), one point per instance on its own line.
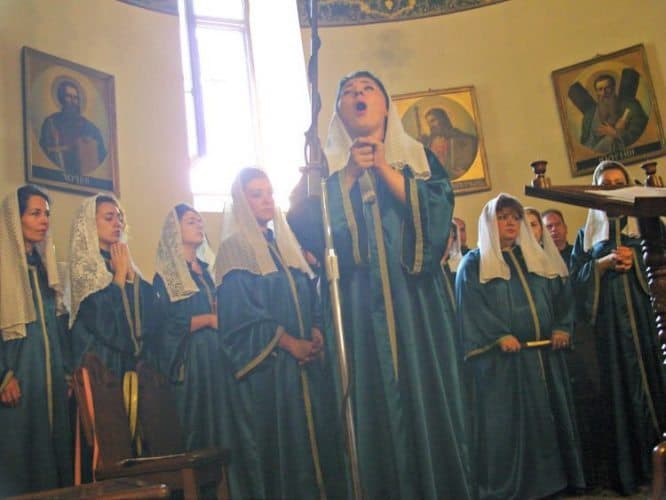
(391, 204)
(188, 344)
(35, 448)
(284, 436)
(609, 280)
(110, 301)
(512, 299)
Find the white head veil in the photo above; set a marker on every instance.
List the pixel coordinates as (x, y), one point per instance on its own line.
(243, 245)
(16, 304)
(170, 262)
(545, 261)
(400, 148)
(87, 270)
(596, 225)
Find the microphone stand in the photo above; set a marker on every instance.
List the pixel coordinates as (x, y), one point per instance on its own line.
(316, 171)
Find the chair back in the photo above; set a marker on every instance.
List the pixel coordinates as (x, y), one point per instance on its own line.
(100, 399)
(161, 432)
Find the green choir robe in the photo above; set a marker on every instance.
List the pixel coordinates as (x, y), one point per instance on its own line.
(449, 282)
(284, 437)
(632, 377)
(112, 323)
(191, 360)
(35, 438)
(526, 443)
(401, 339)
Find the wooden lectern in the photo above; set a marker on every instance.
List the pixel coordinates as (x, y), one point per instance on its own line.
(647, 209)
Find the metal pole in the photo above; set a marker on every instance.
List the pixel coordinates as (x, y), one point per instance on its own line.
(316, 171)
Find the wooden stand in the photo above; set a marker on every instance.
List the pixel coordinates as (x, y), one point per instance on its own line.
(647, 210)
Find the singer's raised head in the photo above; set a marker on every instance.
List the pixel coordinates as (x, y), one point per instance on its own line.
(362, 104)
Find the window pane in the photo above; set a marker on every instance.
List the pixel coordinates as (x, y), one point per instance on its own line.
(192, 141)
(225, 9)
(227, 101)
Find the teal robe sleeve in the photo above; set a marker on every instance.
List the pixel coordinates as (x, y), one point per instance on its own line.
(249, 333)
(427, 218)
(480, 326)
(173, 323)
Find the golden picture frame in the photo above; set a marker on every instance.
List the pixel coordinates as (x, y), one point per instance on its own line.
(447, 122)
(608, 110)
(69, 125)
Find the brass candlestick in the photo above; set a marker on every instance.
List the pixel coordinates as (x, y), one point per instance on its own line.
(540, 180)
(652, 180)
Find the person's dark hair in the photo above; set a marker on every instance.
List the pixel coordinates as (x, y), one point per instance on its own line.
(603, 77)
(441, 115)
(509, 202)
(24, 193)
(249, 174)
(552, 211)
(360, 74)
(61, 90)
(182, 208)
(609, 165)
(102, 198)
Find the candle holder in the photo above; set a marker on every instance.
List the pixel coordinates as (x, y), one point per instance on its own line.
(540, 180)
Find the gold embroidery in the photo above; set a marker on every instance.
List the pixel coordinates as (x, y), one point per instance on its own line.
(449, 288)
(634, 333)
(386, 285)
(418, 229)
(530, 302)
(47, 346)
(129, 317)
(279, 331)
(484, 349)
(639, 355)
(595, 293)
(351, 220)
(209, 295)
(639, 273)
(137, 311)
(8, 376)
(304, 379)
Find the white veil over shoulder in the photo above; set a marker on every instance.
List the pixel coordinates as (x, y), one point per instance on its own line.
(545, 261)
(170, 262)
(243, 245)
(400, 148)
(16, 304)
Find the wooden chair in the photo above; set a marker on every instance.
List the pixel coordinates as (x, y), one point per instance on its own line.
(113, 489)
(106, 427)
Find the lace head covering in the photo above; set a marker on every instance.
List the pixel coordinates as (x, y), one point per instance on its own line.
(243, 245)
(596, 225)
(16, 305)
(400, 148)
(545, 261)
(170, 262)
(87, 270)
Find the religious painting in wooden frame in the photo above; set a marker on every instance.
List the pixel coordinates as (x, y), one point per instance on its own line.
(69, 125)
(608, 110)
(447, 122)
